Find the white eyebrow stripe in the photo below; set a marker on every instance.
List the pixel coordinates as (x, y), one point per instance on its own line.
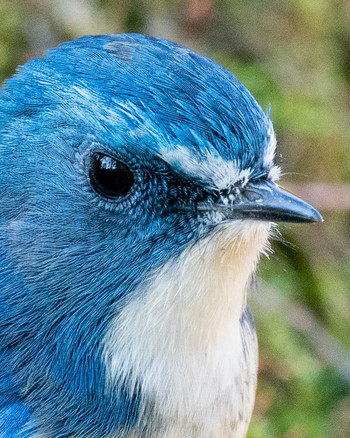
(215, 171)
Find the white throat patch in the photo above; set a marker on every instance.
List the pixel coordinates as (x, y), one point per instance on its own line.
(180, 335)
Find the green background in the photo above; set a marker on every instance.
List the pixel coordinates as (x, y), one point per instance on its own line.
(295, 55)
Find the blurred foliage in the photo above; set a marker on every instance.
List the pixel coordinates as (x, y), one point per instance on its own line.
(294, 54)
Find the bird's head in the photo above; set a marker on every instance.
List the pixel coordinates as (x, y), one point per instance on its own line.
(117, 154)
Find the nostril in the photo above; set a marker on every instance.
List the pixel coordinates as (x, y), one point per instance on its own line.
(252, 195)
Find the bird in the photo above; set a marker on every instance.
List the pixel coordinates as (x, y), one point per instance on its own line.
(138, 190)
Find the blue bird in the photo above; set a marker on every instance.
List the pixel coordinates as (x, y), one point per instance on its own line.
(138, 192)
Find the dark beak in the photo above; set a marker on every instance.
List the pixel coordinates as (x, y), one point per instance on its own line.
(264, 201)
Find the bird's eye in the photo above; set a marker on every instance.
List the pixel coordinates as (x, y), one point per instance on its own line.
(110, 177)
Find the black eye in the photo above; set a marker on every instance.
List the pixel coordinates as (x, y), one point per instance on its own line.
(110, 177)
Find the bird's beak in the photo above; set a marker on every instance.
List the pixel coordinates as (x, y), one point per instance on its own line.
(265, 201)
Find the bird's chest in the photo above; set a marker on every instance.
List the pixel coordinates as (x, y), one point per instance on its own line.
(210, 394)
(200, 394)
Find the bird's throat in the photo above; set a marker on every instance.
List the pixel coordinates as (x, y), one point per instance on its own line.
(183, 339)
(204, 290)
(193, 299)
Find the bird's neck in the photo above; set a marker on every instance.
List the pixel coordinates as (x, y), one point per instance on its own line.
(195, 298)
(184, 342)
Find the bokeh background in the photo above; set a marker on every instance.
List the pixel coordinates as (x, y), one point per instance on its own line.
(294, 54)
